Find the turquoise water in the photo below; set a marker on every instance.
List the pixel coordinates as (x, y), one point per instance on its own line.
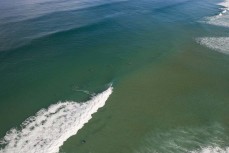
(170, 86)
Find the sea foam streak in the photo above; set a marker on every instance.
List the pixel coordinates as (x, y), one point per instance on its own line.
(50, 128)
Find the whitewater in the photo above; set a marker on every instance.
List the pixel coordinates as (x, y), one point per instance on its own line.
(219, 44)
(50, 128)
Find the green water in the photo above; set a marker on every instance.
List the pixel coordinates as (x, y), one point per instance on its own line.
(188, 89)
(165, 83)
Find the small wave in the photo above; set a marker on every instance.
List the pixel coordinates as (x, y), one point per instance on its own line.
(50, 128)
(220, 44)
(28, 39)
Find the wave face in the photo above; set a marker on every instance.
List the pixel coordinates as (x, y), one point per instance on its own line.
(222, 19)
(211, 139)
(50, 128)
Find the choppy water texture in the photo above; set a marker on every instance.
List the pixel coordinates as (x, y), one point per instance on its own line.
(167, 61)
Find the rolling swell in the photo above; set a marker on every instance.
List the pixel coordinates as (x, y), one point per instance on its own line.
(19, 33)
(37, 9)
(55, 36)
(67, 12)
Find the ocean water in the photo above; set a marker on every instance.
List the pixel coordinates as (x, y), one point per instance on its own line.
(117, 76)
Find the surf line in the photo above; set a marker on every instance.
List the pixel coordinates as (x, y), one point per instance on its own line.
(47, 131)
(220, 44)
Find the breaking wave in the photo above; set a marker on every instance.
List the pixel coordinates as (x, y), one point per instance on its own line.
(50, 128)
(220, 44)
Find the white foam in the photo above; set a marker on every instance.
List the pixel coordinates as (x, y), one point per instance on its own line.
(220, 44)
(50, 128)
(224, 3)
(212, 150)
(222, 19)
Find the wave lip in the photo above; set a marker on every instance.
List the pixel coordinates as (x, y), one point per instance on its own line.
(50, 128)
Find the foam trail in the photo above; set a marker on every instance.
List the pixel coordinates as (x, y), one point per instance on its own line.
(50, 128)
(220, 44)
